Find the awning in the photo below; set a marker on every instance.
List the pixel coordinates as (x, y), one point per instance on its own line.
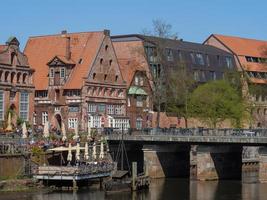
(134, 90)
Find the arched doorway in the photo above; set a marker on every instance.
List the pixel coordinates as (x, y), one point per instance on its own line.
(58, 120)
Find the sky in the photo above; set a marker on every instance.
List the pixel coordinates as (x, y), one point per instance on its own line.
(193, 20)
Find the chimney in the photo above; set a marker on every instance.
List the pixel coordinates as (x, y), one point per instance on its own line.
(106, 32)
(68, 52)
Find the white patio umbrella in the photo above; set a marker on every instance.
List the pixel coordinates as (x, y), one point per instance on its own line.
(24, 131)
(76, 136)
(9, 123)
(89, 132)
(63, 130)
(94, 151)
(78, 152)
(69, 158)
(86, 154)
(101, 156)
(46, 130)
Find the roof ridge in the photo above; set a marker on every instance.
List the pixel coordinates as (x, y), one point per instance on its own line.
(59, 34)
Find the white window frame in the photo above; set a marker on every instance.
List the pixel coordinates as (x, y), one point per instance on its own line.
(52, 73)
(44, 117)
(92, 107)
(72, 122)
(2, 104)
(110, 109)
(24, 113)
(62, 72)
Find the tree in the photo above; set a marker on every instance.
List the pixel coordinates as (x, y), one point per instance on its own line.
(215, 101)
(179, 86)
(163, 30)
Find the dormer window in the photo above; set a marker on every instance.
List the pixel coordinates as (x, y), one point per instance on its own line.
(62, 72)
(52, 72)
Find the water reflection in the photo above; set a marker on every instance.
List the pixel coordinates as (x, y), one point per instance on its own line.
(180, 189)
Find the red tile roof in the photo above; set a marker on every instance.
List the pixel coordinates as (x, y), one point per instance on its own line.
(244, 46)
(247, 47)
(131, 58)
(41, 49)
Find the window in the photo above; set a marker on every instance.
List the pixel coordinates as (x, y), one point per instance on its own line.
(139, 101)
(24, 105)
(44, 117)
(196, 75)
(169, 55)
(139, 121)
(101, 108)
(208, 60)
(72, 123)
(110, 109)
(193, 58)
(96, 121)
(62, 72)
(128, 101)
(57, 109)
(101, 61)
(118, 109)
(73, 108)
(91, 107)
(229, 62)
(116, 78)
(136, 80)
(34, 118)
(94, 74)
(71, 93)
(151, 54)
(80, 61)
(110, 62)
(141, 81)
(52, 72)
(41, 94)
(105, 77)
(106, 47)
(1, 105)
(212, 75)
(199, 59)
(121, 124)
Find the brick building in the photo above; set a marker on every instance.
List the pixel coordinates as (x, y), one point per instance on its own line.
(16, 85)
(77, 79)
(251, 59)
(139, 54)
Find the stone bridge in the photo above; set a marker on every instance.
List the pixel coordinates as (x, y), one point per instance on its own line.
(203, 154)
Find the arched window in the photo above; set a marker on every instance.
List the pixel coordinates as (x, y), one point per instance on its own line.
(24, 78)
(110, 62)
(1, 73)
(18, 77)
(106, 47)
(101, 61)
(12, 77)
(13, 58)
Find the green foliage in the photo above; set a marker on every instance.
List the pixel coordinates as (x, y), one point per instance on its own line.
(216, 101)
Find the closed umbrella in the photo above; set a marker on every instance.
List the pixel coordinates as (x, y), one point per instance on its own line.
(89, 132)
(24, 131)
(86, 154)
(63, 130)
(69, 158)
(76, 136)
(46, 130)
(101, 149)
(78, 152)
(94, 151)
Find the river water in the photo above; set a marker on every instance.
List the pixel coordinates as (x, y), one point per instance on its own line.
(165, 189)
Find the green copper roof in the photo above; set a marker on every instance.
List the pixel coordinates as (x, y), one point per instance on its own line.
(136, 91)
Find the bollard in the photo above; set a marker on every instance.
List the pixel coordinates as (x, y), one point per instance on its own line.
(134, 175)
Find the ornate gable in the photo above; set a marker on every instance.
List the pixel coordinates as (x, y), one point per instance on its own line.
(105, 68)
(60, 61)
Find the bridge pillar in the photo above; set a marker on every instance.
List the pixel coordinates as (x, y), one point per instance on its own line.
(167, 160)
(263, 164)
(218, 162)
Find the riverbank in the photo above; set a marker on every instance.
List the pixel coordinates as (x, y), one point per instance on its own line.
(17, 185)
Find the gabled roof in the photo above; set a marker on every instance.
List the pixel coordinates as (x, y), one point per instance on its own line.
(83, 46)
(62, 59)
(131, 58)
(244, 46)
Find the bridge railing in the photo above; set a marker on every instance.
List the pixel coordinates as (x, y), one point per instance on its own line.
(195, 132)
